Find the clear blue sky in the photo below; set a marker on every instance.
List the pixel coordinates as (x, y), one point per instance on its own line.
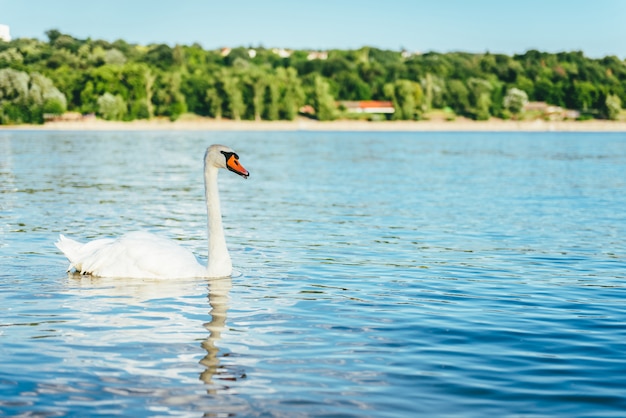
(597, 27)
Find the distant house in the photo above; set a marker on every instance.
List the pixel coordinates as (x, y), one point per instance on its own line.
(282, 52)
(571, 114)
(368, 106)
(408, 54)
(550, 112)
(307, 110)
(535, 107)
(252, 53)
(317, 55)
(5, 33)
(67, 117)
(225, 51)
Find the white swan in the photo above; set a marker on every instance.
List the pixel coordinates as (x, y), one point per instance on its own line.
(144, 255)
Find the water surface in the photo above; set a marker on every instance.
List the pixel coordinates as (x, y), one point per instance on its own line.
(377, 274)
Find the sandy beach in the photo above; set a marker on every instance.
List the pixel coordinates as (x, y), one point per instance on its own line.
(302, 124)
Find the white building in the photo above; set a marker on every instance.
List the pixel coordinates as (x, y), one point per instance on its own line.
(282, 52)
(317, 55)
(5, 33)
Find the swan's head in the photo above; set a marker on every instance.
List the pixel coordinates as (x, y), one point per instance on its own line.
(221, 156)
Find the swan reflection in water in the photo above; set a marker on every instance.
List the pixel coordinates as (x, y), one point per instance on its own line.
(219, 290)
(133, 308)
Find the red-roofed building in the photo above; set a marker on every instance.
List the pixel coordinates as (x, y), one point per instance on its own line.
(367, 106)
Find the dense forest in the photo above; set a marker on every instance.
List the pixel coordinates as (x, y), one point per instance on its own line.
(122, 81)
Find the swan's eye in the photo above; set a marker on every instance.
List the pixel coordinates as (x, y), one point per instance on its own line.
(227, 155)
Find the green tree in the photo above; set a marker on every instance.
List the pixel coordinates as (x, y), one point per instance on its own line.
(457, 96)
(114, 57)
(272, 98)
(352, 87)
(168, 99)
(406, 96)
(525, 84)
(323, 101)
(232, 87)
(585, 95)
(88, 98)
(543, 89)
(137, 81)
(482, 107)
(194, 87)
(431, 88)
(25, 98)
(14, 96)
(53, 35)
(613, 106)
(11, 57)
(480, 97)
(292, 94)
(259, 87)
(515, 100)
(111, 107)
(215, 102)
(160, 56)
(98, 81)
(45, 96)
(13, 85)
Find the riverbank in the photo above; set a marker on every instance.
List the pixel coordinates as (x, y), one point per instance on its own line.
(205, 124)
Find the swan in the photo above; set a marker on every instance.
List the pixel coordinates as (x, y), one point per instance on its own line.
(145, 255)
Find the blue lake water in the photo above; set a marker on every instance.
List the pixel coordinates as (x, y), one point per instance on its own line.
(377, 275)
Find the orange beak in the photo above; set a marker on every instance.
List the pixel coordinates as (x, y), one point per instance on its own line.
(236, 167)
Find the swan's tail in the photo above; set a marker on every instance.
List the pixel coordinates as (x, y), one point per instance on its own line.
(71, 249)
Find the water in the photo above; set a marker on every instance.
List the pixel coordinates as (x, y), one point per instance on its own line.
(377, 275)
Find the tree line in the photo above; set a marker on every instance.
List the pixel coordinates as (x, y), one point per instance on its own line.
(122, 81)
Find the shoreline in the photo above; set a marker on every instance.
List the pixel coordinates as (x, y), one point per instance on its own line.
(202, 124)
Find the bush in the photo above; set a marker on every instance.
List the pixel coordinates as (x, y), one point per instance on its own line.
(139, 109)
(111, 107)
(54, 107)
(613, 106)
(515, 100)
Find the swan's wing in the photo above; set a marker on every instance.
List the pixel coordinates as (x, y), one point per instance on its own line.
(76, 252)
(139, 255)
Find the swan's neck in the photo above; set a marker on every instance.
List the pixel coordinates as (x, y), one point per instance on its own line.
(219, 261)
